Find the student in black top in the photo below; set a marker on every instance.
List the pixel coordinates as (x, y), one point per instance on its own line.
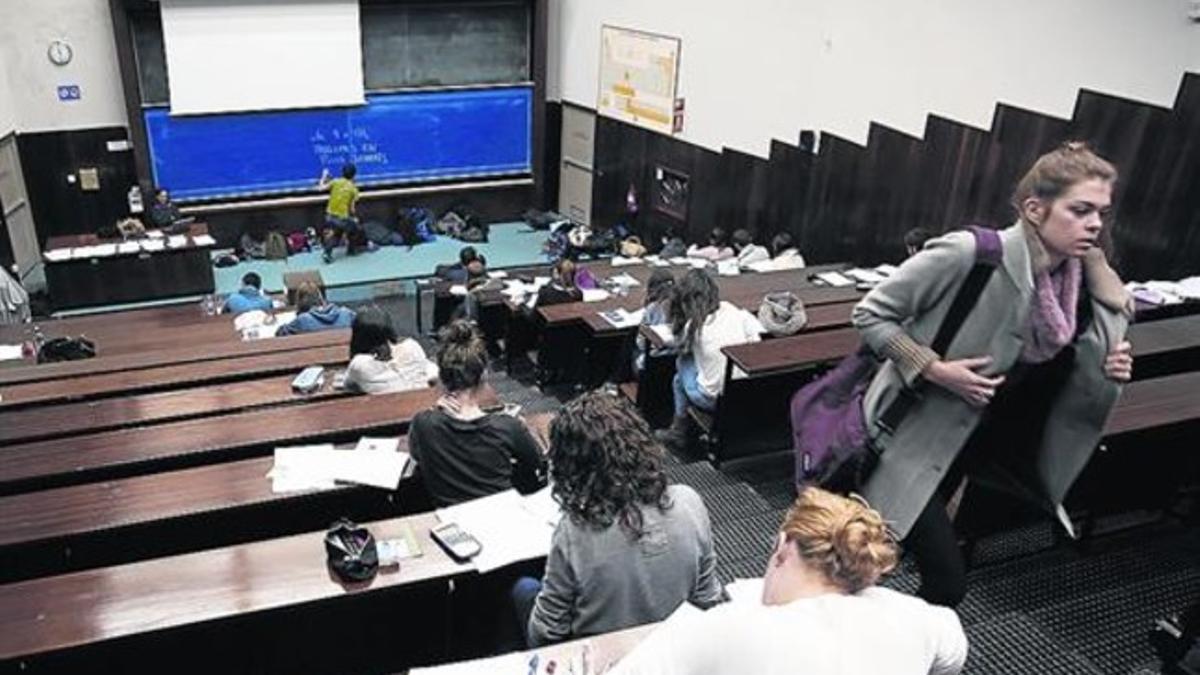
(163, 213)
(463, 453)
(561, 288)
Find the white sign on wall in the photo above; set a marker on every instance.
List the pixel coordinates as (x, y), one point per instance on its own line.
(639, 74)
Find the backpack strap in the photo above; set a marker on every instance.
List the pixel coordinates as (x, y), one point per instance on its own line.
(989, 254)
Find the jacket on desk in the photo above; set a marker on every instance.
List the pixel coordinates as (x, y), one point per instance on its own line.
(319, 318)
(246, 299)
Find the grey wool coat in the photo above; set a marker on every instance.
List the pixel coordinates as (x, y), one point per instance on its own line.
(912, 304)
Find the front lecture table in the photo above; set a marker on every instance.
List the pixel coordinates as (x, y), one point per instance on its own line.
(133, 276)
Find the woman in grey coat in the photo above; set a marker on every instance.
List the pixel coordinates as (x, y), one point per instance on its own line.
(1027, 382)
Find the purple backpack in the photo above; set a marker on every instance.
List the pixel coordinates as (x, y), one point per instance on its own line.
(829, 430)
(584, 279)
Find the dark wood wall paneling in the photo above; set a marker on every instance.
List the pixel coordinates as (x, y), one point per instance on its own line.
(553, 155)
(60, 207)
(855, 202)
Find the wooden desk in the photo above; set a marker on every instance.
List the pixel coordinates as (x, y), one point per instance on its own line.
(1155, 403)
(122, 383)
(745, 290)
(118, 521)
(230, 597)
(185, 350)
(1156, 346)
(88, 417)
(127, 277)
(115, 454)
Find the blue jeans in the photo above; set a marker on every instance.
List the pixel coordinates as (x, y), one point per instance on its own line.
(687, 387)
(524, 593)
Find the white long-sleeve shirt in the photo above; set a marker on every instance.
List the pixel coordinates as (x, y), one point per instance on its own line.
(876, 631)
(724, 327)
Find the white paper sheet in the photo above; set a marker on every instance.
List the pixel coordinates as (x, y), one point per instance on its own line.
(886, 270)
(595, 294)
(128, 247)
(625, 279)
(835, 279)
(728, 268)
(301, 468)
(507, 530)
(204, 240)
(11, 352)
(498, 274)
(369, 444)
(865, 276)
(267, 330)
(622, 261)
(152, 244)
(375, 468)
(177, 240)
(59, 254)
(322, 467)
(622, 318)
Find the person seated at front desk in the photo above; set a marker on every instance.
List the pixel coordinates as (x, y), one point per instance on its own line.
(315, 314)
(164, 214)
(249, 297)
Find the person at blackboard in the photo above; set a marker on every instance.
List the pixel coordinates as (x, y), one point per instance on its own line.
(163, 213)
(341, 220)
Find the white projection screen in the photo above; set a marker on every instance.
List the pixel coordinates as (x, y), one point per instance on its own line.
(243, 55)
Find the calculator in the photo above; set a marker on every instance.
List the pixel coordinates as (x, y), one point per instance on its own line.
(458, 542)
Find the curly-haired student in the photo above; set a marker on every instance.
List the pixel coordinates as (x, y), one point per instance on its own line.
(629, 548)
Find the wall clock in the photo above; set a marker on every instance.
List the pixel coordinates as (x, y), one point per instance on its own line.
(59, 52)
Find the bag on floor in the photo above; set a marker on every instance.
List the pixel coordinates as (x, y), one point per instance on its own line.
(297, 242)
(60, 349)
(829, 429)
(275, 247)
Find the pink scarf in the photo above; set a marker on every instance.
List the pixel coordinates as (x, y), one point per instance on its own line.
(1052, 317)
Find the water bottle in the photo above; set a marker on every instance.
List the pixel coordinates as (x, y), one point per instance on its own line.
(208, 306)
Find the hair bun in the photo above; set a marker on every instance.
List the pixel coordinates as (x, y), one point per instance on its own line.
(458, 332)
(863, 548)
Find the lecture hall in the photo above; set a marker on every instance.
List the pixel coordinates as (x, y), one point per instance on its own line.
(449, 337)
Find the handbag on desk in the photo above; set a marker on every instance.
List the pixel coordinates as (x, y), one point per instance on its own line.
(351, 551)
(60, 349)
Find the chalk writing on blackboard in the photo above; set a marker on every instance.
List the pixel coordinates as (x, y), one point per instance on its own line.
(334, 147)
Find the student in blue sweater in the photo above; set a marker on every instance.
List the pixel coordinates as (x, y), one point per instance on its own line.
(249, 297)
(315, 313)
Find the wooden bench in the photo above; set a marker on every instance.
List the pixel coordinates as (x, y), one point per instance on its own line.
(182, 352)
(122, 383)
(116, 454)
(111, 522)
(87, 417)
(271, 606)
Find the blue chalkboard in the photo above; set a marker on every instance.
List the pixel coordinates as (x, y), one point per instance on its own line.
(394, 138)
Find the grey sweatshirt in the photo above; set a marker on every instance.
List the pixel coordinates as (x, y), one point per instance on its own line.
(603, 580)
